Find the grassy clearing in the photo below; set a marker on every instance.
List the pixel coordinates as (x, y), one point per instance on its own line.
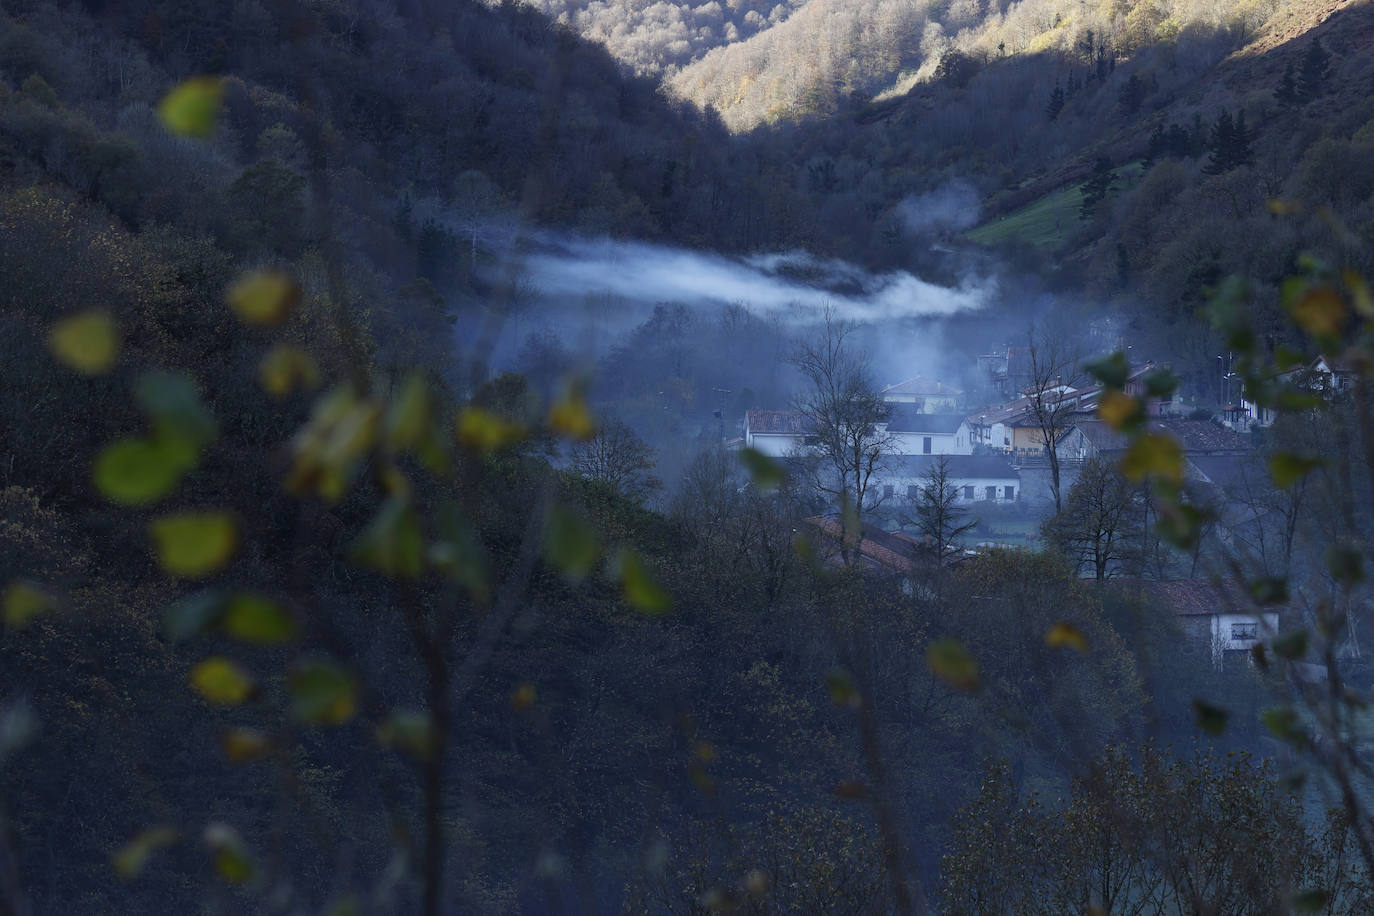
(1049, 221)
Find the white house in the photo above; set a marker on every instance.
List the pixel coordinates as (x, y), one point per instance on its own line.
(1219, 615)
(778, 433)
(927, 395)
(928, 433)
(975, 478)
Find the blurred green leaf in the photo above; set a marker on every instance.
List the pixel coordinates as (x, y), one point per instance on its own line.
(458, 553)
(257, 619)
(130, 859)
(1211, 719)
(1161, 383)
(193, 545)
(410, 731)
(232, 863)
(221, 682)
(1310, 901)
(135, 472)
(174, 404)
(1287, 468)
(23, 602)
(193, 614)
(263, 297)
(638, 585)
(1291, 645)
(1346, 565)
(87, 342)
(322, 693)
(393, 543)
(1269, 590)
(766, 473)
(841, 689)
(410, 416)
(192, 108)
(570, 545)
(1284, 724)
(950, 662)
(1112, 371)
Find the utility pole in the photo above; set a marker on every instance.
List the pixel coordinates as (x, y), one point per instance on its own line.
(720, 411)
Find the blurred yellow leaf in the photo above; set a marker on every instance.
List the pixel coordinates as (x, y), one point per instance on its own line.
(523, 697)
(194, 545)
(1119, 410)
(255, 619)
(23, 602)
(950, 662)
(1321, 312)
(1154, 455)
(192, 108)
(243, 745)
(484, 432)
(221, 682)
(133, 856)
(263, 297)
(285, 368)
(87, 342)
(1065, 635)
(570, 416)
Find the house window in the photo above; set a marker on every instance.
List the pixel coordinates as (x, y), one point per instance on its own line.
(925, 445)
(968, 492)
(812, 440)
(913, 492)
(992, 493)
(1006, 439)
(1245, 631)
(1009, 493)
(888, 490)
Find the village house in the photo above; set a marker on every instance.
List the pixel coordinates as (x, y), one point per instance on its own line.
(926, 395)
(1216, 615)
(778, 433)
(915, 433)
(975, 478)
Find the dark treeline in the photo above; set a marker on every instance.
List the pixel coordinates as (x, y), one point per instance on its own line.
(432, 667)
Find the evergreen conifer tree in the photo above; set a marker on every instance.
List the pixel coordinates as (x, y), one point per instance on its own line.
(1097, 187)
(1056, 103)
(1287, 92)
(1316, 67)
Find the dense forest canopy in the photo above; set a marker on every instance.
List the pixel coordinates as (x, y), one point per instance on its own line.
(379, 530)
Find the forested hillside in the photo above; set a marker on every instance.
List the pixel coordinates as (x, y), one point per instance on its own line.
(307, 608)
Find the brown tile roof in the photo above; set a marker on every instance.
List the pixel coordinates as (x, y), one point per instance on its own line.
(777, 421)
(1195, 597)
(891, 550)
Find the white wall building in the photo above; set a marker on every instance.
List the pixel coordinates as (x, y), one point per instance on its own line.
(975, 478)
(777, 433)
(929, 433)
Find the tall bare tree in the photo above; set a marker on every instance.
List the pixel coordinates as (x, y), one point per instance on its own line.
(1055, 369)
(938, 513)
(847, 417)
(1095, 529)
(618, 457)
